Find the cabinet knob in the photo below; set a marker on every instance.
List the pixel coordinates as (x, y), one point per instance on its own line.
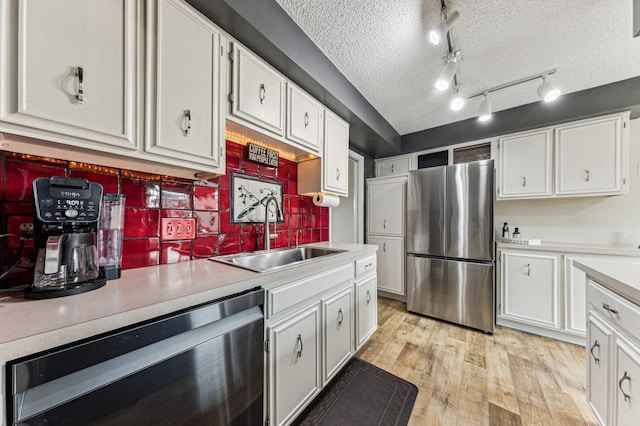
(80, 95)
(595, 358)
(306, 119)
(626, 376)
(263, 93)
(187, 120)
(299, 344)
(608, 308)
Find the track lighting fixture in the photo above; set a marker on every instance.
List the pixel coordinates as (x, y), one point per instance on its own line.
(444, 81)
(485, 109)
(457, 102)
(440, 31)
(548, 91)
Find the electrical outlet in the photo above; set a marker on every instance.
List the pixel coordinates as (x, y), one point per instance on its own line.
(178, 229)
(26, 227)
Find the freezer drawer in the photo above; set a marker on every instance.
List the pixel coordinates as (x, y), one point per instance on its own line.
(454, 291)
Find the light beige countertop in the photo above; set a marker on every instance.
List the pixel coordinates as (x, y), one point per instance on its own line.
(574, 248)
(623, 278)
(141, 294)
(32, 326)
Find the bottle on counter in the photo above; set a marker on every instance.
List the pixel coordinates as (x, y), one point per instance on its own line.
(516, 235)
(505, 231)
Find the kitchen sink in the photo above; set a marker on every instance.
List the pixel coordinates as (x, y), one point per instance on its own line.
(268, 260)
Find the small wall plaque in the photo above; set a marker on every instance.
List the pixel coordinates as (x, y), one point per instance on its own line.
(262, 155)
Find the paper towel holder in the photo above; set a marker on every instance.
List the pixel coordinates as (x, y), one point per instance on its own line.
(323, 199)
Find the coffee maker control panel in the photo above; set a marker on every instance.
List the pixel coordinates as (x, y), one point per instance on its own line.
(67, 200)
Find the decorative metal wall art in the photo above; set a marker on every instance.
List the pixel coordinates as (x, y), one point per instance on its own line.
(249, 196)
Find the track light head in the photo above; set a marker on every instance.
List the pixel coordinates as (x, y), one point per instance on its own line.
(457, 102)
(440, 31)
(444, 81)
(485, 109)
(548, 91)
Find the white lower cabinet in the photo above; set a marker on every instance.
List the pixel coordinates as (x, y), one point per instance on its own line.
(294, 358)
(391, 261)
(613, 357)
(541, 291)
(313, 327)
(531, 291)
(366, 310)
(599, 343)
(337, 331)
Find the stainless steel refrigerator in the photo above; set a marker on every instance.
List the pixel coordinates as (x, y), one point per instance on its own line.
(450, 244)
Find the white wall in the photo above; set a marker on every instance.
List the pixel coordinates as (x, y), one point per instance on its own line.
(596, 220)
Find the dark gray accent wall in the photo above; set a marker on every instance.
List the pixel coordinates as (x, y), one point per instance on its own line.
(620, 96)
(268, 31)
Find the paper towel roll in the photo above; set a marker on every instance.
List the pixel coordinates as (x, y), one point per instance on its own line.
(326, 200)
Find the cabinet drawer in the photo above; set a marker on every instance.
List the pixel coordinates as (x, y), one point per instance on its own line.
(365, 266)
(613, 307)
(283, 297)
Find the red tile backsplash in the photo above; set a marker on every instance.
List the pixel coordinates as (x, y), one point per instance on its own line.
(150, 197)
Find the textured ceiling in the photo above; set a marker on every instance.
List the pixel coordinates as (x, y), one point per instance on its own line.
(381, 47)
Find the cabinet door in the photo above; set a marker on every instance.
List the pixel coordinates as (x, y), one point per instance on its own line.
(336, 155)
(529, 288)
(73, 69)
(626, 380)
(294, 364)
(386, 206)
(304, 119)
(598, 346)
(589, 157)
(396, 166)
(366, 310)
(391, 260)
(187, 123)
(525, 165)
(575, 299)
(258, 91)
(337, 331)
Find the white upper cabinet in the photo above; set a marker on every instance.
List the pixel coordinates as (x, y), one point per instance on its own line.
(304, 119)
(186, 86)
(386, 206)
(393, 166)
(258, 94)
(336, 155)
(69, 70)
(525, 165)
(590, 156)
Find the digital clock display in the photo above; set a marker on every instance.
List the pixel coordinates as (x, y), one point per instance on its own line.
(73, 203)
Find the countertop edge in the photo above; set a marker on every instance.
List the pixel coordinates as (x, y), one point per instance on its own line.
(607, 280)
(573, 248)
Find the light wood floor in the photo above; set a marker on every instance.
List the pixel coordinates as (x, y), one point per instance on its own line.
(466, 377)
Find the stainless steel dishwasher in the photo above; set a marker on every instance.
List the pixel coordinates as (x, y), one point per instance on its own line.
(201, 366)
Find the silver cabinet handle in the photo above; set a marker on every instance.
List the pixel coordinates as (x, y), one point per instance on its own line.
(392, 168)
(299, 343)
(368, 297)
(337, 173)
(528, 269)
(524, 181)
(627, 397)
(263, 93)
(368, 265)
(384, 224)
(384, 247)
(587, 175)
(595, 358)
(80, 94)
(306, 119)
(340, 317)
(187, 118)
(610, 309)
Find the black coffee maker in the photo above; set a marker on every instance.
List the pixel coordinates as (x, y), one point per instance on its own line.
(66, 213)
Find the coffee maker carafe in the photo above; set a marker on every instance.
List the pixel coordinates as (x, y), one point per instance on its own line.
(66, 213)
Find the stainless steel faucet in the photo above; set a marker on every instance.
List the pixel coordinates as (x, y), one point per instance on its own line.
(267, 235)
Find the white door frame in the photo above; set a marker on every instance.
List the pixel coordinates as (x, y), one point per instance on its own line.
(357, 186)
